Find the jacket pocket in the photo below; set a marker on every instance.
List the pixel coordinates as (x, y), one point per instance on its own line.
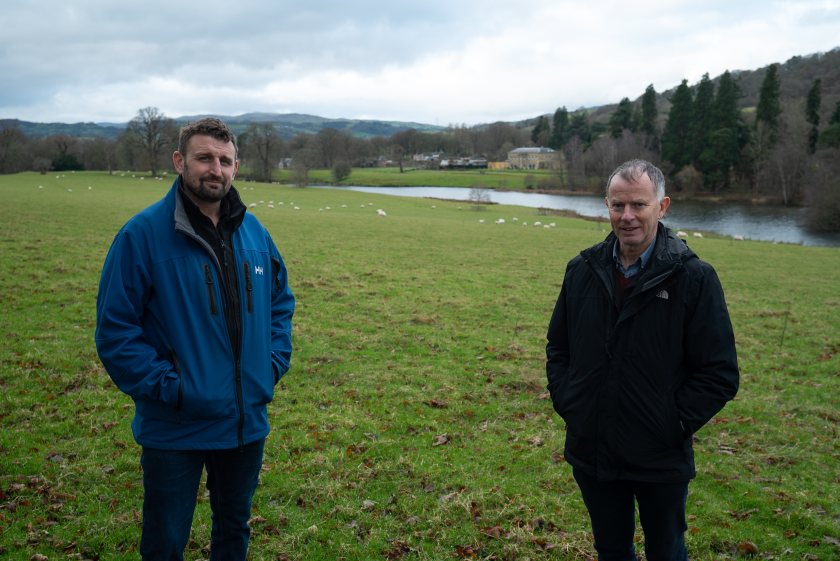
(177, 366)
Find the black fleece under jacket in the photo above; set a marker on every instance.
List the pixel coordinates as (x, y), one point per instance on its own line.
(635, 377)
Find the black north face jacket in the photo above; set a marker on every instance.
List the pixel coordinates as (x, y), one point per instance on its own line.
(633, 380)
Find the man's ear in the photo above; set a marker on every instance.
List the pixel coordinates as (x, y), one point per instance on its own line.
(178, 161)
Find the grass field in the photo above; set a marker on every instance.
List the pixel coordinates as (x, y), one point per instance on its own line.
(414, 423)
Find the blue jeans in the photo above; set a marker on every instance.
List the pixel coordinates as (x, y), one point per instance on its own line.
(611, 506)
(170, 485)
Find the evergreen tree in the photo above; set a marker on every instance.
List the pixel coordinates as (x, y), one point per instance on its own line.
(831, 135)
(649, 114)
(769, 107)
(560, 130)
(622, 118)
(812, 114)
(676, 138)
(728, 136)
(541, 131)
(579, 127)
(701, 115)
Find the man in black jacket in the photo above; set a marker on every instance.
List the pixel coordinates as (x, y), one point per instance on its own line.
(640, 356)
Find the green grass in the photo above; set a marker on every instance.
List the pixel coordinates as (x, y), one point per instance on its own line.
(409, 327)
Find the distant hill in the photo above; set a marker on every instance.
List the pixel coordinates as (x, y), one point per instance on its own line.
(288, 125)
(796, 75)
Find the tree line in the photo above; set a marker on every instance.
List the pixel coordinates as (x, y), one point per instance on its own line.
(778, 151)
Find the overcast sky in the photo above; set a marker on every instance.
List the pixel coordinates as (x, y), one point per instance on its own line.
(432, 61)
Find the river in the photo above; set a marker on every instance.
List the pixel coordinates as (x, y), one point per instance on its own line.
(754, 222)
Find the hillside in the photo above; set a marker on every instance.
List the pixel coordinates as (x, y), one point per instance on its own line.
(288, 125)
(796, 77)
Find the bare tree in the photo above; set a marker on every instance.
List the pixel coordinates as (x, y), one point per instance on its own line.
(262, 147)
(153, 133)
(13, 150)
(333, 146)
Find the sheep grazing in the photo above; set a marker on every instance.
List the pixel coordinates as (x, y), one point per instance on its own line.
(698, 235)
(500, 221)
(380, 212)
(738, 237)
(481, 221)
(682, 234)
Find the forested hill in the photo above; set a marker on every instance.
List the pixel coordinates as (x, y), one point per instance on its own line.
(796, 76)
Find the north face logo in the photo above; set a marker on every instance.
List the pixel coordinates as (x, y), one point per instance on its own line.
(662, 294)
(258, 270)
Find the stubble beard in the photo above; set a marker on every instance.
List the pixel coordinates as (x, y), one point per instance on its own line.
(200, 189)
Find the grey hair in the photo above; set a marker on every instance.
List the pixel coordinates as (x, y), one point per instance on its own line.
(632, 171)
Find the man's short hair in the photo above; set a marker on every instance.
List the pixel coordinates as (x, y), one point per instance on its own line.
(208, 126)
(632, 170)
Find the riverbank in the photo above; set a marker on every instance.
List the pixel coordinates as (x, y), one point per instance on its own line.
(735, 220)
(515, 181)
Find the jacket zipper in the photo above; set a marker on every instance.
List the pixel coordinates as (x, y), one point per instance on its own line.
(249, 288)
(208, 279)
(236, 335)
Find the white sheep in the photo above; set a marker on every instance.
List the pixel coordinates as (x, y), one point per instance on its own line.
(738, 237)
(682, 234)
(698, 235)
(500, 221)
(381, 212)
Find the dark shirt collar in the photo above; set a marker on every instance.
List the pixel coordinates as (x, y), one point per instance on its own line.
(232, 210)
(640, 264)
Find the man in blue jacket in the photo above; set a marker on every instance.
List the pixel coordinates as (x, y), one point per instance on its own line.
(194, 323)
(640, 356)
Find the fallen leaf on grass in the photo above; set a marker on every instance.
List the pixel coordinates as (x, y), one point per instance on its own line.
(398, 549)
(493, 531)
(467, 551)
(743, 515)
(747, 548)
(442, 439)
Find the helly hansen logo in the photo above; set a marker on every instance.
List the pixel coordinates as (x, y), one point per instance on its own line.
(662, 294)
(258, 270)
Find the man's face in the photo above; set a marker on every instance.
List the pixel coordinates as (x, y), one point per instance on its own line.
(634, 212)
(207, 168)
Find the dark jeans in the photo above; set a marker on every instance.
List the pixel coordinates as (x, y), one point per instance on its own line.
(612, 511)
(170, 484)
